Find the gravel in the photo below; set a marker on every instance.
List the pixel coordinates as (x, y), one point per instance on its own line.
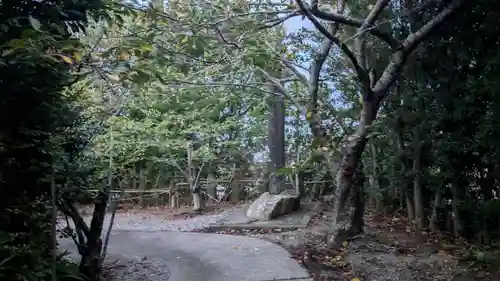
(135, 221)
(139, 269)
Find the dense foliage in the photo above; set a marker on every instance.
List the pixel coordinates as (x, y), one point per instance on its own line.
(35, 66)
(124, 99)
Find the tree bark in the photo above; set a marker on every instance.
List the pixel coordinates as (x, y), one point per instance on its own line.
(212, 181)
(454, 210)
(435, 207)
(417, 188)
(193, 184)
(374, 90)
(410, 209)
(344, 227)
(197, 201)
(358, 197)
(142, 187)
(91, 256)
(374, 180)
(276, 135)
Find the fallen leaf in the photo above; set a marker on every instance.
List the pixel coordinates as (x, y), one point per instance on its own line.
(355, 279)
(67, 59)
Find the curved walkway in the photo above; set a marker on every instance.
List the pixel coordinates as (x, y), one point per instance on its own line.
(206, 257)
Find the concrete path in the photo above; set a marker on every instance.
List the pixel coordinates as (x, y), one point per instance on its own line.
(206, 257)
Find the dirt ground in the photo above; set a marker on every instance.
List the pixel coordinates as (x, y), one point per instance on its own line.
(183, 212)
(389, 250)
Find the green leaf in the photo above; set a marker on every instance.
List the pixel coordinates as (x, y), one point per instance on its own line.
(36, 24)
(146, 47)
(78, 56)
(285, 171)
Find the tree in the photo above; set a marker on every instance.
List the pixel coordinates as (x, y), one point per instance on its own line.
(374, 87)
(38, 54)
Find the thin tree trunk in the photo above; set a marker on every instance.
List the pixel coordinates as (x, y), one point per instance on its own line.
(193, 181)
(410, 209)
(374, 181)
(237, 186)
(435, 206)
(417, 189)
(53, 193)
(90, 264)
(212, 181)
(454, 210)
(142, 187)
(134, 177)
(91, 257)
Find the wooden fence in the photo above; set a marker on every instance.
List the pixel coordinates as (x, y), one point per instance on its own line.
(179, 194)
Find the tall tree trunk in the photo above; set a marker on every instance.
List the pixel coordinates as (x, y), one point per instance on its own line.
(193, 183)
(417, 187)
(435, 205)
(276, 134)
(344, 227)
(374, 180)
(400, 146)
(212, 181)
(410, 208)
(134, 177)
(142, 187)
(358, 197)
(457, 228)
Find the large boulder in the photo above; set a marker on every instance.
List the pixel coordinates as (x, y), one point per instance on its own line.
(269, 206)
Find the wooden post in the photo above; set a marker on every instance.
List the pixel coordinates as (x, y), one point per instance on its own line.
(142, 187)
(237, 186)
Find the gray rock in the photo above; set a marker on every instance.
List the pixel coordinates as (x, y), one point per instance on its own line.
(269, 206)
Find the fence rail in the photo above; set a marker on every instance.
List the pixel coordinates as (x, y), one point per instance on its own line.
(179, 193)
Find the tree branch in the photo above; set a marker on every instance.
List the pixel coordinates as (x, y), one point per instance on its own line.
(329, 34)
(354, 22)
(409, 44)
(302, 78)
(360, 42)
(313, 87)
(270, 24)
(278, 85)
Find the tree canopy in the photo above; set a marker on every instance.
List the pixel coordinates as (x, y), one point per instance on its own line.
(110, 94)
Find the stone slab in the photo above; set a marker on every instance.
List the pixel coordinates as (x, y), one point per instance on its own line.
(298, 219)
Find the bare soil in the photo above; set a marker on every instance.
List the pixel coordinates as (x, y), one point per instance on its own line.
(389, 250)
(165, 212)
